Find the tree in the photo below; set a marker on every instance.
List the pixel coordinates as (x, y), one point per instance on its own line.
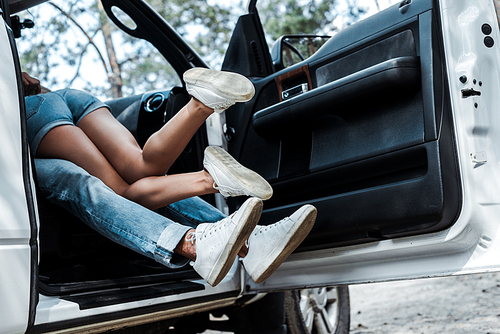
(114, 76)
(53, 53)
(50, 51)
(320, 17)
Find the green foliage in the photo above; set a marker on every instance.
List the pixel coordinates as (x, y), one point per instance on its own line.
(295, 17)
(53, 51)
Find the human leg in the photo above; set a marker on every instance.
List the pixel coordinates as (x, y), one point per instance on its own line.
(211, 90)
(160, 151)
(117, 218)
(218, 238)
(71, 143)
(55, 137)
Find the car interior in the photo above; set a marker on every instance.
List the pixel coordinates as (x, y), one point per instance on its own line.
(369, 141)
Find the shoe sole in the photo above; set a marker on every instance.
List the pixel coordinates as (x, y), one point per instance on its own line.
(229, 85)
(252, 183)
(289, 243)
(241, 233)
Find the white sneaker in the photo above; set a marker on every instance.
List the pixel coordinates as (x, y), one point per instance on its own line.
(231, 178)
(218, 244)
(269, 246)
(218, 89)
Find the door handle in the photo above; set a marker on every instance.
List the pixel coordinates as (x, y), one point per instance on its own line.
(289, 93)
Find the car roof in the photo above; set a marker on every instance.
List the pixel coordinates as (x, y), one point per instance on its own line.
(19, 5)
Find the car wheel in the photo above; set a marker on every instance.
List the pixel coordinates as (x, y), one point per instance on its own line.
(318, 311)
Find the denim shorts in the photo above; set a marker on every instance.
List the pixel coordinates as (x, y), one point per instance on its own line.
(63, 107)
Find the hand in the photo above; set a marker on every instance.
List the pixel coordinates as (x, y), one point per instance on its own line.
(31, 85)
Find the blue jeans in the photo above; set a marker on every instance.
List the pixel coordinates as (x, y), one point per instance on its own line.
(153, 234)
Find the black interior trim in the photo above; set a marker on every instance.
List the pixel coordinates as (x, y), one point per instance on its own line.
(99, 285)
(112, 297)
(390, 78)
(248, 52)
(373, 199)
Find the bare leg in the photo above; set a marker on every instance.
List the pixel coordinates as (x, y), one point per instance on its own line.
(71, 143)
(155, 192)
(160, 151)
(211, 90)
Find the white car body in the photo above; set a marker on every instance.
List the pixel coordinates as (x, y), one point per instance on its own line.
(470, 245)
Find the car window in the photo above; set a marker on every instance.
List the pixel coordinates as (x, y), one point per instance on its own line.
(293, 18)
(74, 46)
(327, 17)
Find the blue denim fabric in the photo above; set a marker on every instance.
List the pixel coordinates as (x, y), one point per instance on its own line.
(125, 222)
(63, 107)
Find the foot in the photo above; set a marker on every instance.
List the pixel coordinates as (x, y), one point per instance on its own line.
(269, 246)
(218, 244)
(231, 178)
(218, 90)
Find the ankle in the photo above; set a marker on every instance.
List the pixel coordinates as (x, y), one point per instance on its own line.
(197, 108)
(187, 246)
(208, 181)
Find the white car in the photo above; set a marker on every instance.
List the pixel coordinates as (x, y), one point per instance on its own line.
(390, 129)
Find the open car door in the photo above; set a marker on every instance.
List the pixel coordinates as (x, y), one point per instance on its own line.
(393, 142)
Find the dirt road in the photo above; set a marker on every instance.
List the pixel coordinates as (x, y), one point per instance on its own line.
(451, 305)
(456, 305)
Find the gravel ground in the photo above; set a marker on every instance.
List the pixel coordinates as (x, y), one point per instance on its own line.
(459, 305)
(450, 305)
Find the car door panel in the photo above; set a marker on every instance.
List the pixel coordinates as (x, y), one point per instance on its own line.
(362, 144)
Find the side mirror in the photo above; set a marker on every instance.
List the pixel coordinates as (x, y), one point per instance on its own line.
(291, 49)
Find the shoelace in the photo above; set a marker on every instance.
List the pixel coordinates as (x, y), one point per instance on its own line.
(211, 229)
(268, 227)
(260, 229)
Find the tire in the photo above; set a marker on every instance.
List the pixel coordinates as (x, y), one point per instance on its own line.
(318, 311)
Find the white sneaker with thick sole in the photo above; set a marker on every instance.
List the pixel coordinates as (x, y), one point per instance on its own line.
(231, 178)
(269, 246)
(218, 244)
(218, 89)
